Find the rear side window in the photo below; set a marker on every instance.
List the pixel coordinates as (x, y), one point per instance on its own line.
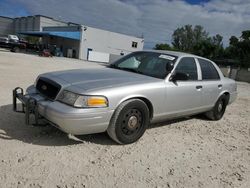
(208, 70)
(187, 65)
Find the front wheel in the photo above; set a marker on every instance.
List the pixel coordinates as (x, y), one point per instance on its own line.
(129, 122)
(219, 109)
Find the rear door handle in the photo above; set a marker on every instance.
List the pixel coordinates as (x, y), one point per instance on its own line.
(220, 86)
(198, 87)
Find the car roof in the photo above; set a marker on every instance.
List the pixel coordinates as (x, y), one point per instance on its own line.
(175, 53)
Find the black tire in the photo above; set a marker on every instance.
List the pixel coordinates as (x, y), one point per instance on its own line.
(15, 49)
(129, 121)
(219, 109)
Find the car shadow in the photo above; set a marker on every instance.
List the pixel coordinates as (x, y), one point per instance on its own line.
(178, 120)
(170, 122)
(13, 127)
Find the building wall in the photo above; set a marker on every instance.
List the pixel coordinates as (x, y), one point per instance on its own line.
(47, 22)
(108, 42)
(30, 25)
(62, 28)
(111, 43)
(243, 75)
(6, 26)
(63, 43)
(24, 24)
(225, 70)
(113, 58)
(35, 23)
(236, 73)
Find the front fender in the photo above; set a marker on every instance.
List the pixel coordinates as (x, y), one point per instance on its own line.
(134, 96)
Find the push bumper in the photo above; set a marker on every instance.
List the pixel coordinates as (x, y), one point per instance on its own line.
(77, 121)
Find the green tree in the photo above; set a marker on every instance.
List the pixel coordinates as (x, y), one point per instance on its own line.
(196, 40)
(216, 42)
(245, 35)
(187, 37)
(204, 48)
(233, 41)
(239, 49)
(163, 47)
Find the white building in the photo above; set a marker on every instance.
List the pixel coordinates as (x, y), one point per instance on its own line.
(89, 43)
(73, 40)
(97, 44)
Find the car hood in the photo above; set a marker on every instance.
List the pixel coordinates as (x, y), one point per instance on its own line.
(82, 80)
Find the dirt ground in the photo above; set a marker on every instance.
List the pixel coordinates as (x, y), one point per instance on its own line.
(190, 152)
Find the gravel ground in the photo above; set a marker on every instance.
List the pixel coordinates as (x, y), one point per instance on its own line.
(190, 152)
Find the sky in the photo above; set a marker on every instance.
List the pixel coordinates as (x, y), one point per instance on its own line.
(155, 20)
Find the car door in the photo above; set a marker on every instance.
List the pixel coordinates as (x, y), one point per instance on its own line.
(183, 97)
(211, 83)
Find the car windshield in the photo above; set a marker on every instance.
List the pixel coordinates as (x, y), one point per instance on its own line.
(147, 63)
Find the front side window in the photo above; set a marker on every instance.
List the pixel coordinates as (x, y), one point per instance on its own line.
(208, 70)
(146, 63)
(187, 66)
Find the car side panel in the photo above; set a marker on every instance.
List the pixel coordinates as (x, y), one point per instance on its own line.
(183, 98)
(210, 92)
(213, 89)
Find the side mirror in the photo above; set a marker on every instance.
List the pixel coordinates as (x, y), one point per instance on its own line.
(179, 76)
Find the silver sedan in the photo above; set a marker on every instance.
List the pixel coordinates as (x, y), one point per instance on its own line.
(125, 97)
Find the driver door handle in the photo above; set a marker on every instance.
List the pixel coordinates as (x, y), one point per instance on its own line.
(198, 87)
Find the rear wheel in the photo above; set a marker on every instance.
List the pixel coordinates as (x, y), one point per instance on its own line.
(219, 109)
(129, 122)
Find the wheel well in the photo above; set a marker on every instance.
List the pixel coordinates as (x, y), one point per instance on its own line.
(148, 103)
(227, 94)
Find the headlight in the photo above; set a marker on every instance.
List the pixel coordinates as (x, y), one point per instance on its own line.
(82, 101)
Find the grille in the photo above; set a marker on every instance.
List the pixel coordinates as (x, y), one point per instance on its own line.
(48, 88)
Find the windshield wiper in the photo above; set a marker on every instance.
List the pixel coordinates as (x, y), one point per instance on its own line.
(125, 69)
(130, 70)
(112, 66)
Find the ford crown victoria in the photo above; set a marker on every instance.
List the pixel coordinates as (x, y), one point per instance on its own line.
(125, 97)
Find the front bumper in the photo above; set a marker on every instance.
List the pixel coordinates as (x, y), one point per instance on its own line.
(77, 121)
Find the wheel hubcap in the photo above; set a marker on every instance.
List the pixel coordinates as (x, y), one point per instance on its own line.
(132, 122)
